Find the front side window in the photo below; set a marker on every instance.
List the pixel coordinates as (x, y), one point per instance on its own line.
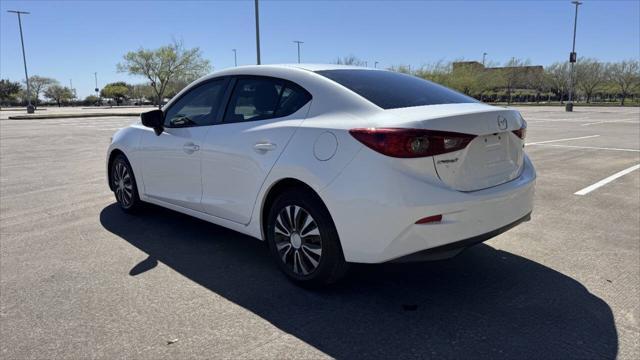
(198, 107)
(392, 90)
(264, 98)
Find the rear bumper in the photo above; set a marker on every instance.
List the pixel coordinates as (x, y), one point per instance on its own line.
(454, 248)
(375, 211)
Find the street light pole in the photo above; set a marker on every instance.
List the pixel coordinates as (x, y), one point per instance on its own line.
(257, 32)
(30, 107)
(484, 56)
(298, 43)
(95, 75)
(235, 57)
(572, 59)
(375, 64)
(71, 87)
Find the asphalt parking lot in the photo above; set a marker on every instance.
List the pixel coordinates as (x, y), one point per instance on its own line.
(80, 279)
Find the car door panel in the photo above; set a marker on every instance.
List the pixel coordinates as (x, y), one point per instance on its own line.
(171, 161)
(236, 159)
(171, 165)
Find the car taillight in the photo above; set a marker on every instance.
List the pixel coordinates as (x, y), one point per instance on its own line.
(522, 132)
(411, 143)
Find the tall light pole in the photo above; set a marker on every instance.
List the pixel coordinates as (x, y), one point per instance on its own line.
(257, 32)
(375, 64)
(572, 59)
(484, 57)
(298, 43)
(95, 75)
(235, 57)
(30, 107)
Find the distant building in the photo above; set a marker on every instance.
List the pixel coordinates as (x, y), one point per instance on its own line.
(522, 73)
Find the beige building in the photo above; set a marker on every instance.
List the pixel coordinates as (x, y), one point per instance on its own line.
(521, 74)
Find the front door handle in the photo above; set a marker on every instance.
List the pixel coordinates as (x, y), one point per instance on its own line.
(263, 147)
(190, 148)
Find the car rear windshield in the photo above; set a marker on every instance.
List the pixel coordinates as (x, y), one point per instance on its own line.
(392, 90)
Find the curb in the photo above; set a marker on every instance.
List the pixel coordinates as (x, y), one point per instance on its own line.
(67, 116)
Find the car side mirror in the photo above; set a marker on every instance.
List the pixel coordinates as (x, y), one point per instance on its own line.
(153, 119)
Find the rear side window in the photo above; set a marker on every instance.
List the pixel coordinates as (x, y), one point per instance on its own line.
(392, 90)
(264, 98)
(292, 99)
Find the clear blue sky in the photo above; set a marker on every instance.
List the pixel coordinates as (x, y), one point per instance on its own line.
(72, 39)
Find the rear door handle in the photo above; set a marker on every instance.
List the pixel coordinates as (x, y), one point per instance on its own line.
(263, 147)
(190, 148)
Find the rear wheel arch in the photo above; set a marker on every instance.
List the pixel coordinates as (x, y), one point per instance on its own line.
(328, 265)
(278, 188)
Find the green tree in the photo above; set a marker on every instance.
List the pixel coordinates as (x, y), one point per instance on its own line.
(90, 100)
(625, 75)
(438, 72)
(466, 78)
(59, 94)
(117, 91)
(38, 85)
(9, 90)
(164, 65)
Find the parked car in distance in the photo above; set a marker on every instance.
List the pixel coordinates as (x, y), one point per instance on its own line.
(330, 165)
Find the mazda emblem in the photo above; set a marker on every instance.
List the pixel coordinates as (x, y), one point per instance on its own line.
(502, 122)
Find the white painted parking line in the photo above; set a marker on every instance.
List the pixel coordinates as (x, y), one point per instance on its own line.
(590, 147)
(605, 181)
(610, 122)
(565, 139)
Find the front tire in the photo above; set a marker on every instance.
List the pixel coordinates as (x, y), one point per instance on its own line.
(303, 239)
(123, 184)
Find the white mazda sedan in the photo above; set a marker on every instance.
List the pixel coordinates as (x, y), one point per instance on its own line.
(330, 165)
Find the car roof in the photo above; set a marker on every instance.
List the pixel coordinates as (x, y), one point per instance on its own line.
(301, 74)
(308, 67)
(321, 67)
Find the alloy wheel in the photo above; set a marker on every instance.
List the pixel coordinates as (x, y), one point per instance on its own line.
(297, 240)
(123, 184)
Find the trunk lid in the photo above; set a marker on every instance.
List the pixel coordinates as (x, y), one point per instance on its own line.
(495, 156)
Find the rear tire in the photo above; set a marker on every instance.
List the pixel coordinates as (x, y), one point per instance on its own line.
(303, 239)
(124, 186)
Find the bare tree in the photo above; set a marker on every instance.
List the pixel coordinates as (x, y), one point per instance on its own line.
(512, 75)
(164, 65)
(59, 94)
(350, 60)
(589, 75)
(38, 85)
(537, 81)
(559, 74)
(626, 76)
(405, 69)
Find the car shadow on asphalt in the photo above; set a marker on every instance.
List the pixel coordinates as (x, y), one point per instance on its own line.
(485, 303)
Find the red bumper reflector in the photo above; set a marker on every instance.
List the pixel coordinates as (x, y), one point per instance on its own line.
(430, 219)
